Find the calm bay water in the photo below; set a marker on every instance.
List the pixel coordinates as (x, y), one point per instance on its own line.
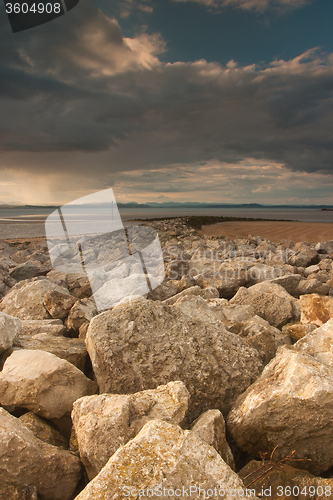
(29, 222)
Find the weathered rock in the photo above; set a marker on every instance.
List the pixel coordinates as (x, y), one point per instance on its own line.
(318, 343)
(289, 406)
(316, 309)
(31, 465)
(210, 427)
(270, 301)
(21, 256)
(284, 481)
(260, 335)
(82, 312)
(58, 277)
(303, 258)
(42, 383)
(185, 282)
(164, 291)
(192, 291)
(43, 429)
(78, 285)
(25, 300)
(324, 247)
(161, 456)
(289, 282)
(104, 423)
(311, 269)
(311, 286)
(297, 331)
(72, 350)
(146, 344)
(58, 304)
(51, 326)
(196, 307)
(10, 328)
(26, 271)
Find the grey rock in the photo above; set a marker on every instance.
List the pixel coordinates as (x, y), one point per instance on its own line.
(210, 427)
(10, 328)
(31, 465)
(25, 300)
(146, 344)
(161, 456)
(42, 383)
(104, 423)
(289, 406)
(58, 304)
(43, 429)
(270, 301)
(72, 350)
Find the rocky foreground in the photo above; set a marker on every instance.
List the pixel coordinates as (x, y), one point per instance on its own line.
(218, 383)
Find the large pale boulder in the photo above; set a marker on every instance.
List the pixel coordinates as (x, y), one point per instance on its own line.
(290, 406)
(146, 344)
(210, 427)
(104, 423)
(165, 461)
(42, 383)
(10, 328)
(270, 301)
(30, 465)
(25, 300)
(316, 309)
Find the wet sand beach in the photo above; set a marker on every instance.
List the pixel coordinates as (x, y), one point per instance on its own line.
(273, 230)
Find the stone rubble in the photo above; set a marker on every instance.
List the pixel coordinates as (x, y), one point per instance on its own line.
(229, 358)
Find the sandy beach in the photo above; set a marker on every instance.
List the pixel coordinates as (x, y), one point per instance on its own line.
(273, 230)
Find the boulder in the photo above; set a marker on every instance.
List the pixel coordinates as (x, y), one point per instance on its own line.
(82, 312)
(303, 258)
(316, 309)
(25, 300)
(270, 301)
(289, 282)
(145, 344)
(289, 407)
(42, 383)
(26, 271)
(164, 461)
(104, 423)
(311, 269)
(51, 326)
(29, 465)
(58, 304)
(260, 335)
(78, 285)
(10, 328)
(311, 286)
(324, 247)
(72, 350)
(192, 291)
(164, 291)
(297, 331)
(210, 427)
(318, 343)
(43, 429)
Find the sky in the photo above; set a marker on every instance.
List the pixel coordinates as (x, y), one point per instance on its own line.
(225, 101)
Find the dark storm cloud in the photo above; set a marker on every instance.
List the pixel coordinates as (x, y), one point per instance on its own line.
(76, 85)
